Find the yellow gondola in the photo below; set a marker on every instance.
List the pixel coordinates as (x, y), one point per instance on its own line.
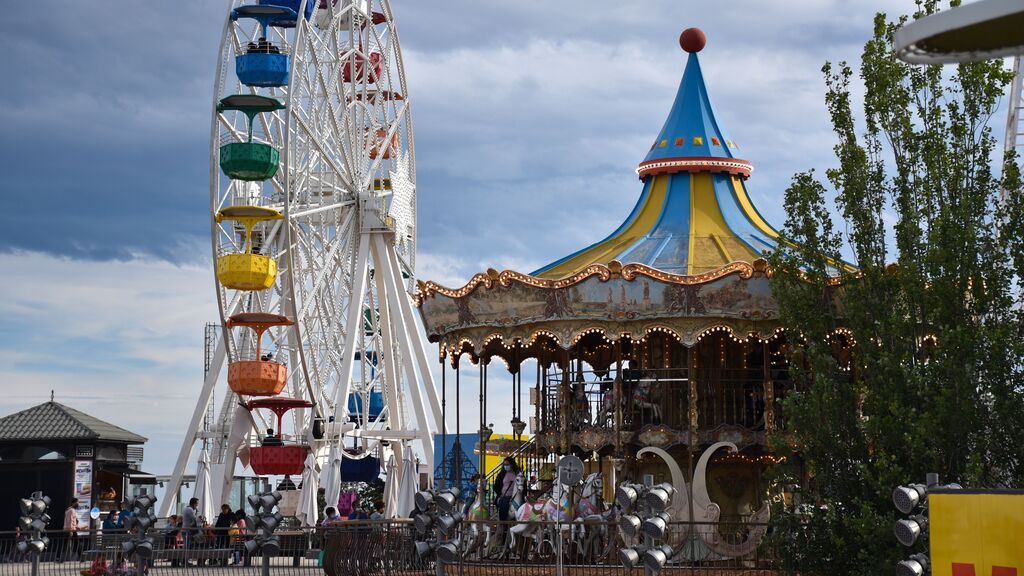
(248, 270)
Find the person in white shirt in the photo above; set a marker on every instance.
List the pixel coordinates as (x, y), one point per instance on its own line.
(71, 528)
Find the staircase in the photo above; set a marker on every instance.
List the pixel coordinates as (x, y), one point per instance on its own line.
(528, 459)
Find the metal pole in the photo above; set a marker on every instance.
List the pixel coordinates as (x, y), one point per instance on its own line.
(265, 571)
(444, 424)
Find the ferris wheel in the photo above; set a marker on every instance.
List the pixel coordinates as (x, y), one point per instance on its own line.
(313, 210)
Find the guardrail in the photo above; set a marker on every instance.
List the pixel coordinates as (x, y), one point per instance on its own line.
(388, 548)
(99, 553)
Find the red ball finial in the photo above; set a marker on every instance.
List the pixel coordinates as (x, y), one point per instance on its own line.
(693, 40)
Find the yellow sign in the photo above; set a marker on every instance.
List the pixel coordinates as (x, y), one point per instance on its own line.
(976, 534)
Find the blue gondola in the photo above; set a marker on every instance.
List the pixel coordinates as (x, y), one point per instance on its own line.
(263, 64)
(293, 5)
(355, 404)
(365, 469)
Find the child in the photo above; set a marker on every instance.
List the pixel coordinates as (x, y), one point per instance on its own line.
(235, 540)
(121, 566)
(98, 567)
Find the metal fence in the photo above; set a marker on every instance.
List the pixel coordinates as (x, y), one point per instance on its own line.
(99, 553)
(388, 548)
(546, 548)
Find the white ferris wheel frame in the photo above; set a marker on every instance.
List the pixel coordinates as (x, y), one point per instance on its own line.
(345, 248)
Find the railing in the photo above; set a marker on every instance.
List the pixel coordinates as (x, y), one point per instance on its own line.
(653, 396)
(583, 548)
(530, 463)
(658, 396)
(84, 553)
(388, 548)
(731, 396)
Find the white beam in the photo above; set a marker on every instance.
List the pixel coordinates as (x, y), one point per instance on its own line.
(205, 395)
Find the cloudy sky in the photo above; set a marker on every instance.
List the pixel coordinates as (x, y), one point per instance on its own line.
(530, 119)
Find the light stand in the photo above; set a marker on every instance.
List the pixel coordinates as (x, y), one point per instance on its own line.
(645, 514)
(142, 519)
(438, 512)
(261, 524)
(33, 520)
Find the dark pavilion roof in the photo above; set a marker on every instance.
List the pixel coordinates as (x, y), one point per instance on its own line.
(54, 421)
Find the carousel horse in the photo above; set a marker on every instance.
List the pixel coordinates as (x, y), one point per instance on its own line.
(479, 533)
(643, 398)
(580, 405)
(531, 518)
(606, 415)
(517, 499)
(591, 509)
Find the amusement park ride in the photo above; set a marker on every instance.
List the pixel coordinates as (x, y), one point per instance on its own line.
(313, 212)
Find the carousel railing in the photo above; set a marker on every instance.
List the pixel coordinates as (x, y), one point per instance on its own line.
(725, 396)
(731, 397)
(649, 396)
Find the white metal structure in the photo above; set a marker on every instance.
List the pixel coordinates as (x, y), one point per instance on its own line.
(345, 249)
(979, 30)
(1014, 139)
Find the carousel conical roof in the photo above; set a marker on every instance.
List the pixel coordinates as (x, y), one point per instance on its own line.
(694, 214)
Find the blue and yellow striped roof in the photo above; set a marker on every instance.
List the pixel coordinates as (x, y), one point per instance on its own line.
(694, 214)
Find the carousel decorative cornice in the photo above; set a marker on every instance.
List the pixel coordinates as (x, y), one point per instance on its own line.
(525, 339)
(488, 280)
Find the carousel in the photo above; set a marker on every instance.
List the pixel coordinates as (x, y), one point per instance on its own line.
(656, 355)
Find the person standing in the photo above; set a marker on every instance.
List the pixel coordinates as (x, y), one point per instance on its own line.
(71, 528)
(505, 486)
(225, 520)
(124, 513)
(190, 524)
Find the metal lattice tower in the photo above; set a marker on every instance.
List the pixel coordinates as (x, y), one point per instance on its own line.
(1015, 114)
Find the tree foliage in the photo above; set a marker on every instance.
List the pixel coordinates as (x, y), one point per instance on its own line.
(931, 297)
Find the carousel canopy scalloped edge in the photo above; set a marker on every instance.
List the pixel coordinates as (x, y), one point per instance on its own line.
(566, 331)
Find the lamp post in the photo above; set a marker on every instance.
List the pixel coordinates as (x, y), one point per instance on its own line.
(33, 520)
(645, 515)
(262, 524)
(438, 512)
(912, 501)
(142, 519)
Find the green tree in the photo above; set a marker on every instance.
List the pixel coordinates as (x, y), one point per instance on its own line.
(932, 299)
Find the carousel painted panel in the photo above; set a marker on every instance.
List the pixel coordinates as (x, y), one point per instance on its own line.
(595, 299)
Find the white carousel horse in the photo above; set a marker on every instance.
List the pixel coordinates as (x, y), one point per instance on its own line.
(517, 499)
(591, 509)
(532, 517)
(643, 398)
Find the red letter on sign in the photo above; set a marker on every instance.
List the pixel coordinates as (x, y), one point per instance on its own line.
(1003, 571)
(960, 569)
